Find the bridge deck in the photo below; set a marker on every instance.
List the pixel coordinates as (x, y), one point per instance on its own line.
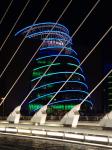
(84, 127)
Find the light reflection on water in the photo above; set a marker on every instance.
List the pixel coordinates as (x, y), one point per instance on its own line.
(21, 143)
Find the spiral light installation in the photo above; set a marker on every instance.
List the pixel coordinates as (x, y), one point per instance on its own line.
(53, 42)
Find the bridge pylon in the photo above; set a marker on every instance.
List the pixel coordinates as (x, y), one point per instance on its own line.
(71, 118)
(40, 116)
(14, 116)
(106, 121)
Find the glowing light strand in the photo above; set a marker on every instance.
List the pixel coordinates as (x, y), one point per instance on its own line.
(51, 32)
(57, 39)
(61, 101)
(49, 23)
(81, 91)
(48, 47)
(71, 64)
(59, 83)
(46, 66)
(59, 56)
(55, 73)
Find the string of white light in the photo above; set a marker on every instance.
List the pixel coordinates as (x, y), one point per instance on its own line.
(81, 63)
(23, 40)
(61, 50)
(34, 54)
(14, 25)
(6, 12)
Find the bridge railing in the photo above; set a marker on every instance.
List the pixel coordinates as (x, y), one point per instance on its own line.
(82, 118)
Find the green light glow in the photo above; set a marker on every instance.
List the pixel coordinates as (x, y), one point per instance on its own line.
(61, 107)
(110, 93)
(109, 76)
(110, 99)
(50, 86)
(42, 62)
(33, 107)
(110, 82)
(47, 66)
(46, 97)
(37, 74)
(55, 73)
(73, 65)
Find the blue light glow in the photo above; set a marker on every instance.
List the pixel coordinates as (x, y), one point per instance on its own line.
(58, 73)
(60, 47)
(61, 82)
(48, 32)
(59, 56)
(59, 92)
(75, 66)
(39, 24)
(69, 100)
(57, 39)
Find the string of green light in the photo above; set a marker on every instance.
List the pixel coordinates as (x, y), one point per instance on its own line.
(33, 107)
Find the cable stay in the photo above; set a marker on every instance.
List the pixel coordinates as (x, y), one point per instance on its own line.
(6, 12)
(14, 25)
(23, 40)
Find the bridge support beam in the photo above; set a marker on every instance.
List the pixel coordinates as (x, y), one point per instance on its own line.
(106, 121)
(40, 116)
(14, 116)
(72, 117)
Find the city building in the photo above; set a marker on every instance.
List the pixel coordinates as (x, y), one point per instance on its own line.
(55, 39)
(108, 89)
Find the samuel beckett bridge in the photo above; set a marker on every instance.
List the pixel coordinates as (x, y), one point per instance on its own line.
(58, 88)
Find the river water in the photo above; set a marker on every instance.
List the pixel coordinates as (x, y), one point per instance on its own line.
(8, 142)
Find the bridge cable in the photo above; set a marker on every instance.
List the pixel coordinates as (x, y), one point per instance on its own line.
(6, 12)
(23, 40)
(14, 25)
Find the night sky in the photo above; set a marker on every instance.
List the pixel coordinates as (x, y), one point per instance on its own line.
(89, 34)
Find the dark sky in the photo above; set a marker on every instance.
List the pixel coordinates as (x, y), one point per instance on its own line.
(92, 30)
